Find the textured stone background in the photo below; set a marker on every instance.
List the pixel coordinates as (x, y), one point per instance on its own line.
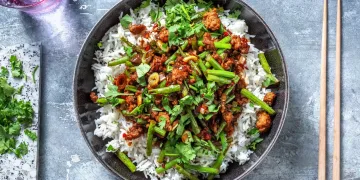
(297, 26)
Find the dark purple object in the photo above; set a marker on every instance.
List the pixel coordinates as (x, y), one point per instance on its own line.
(84, 81)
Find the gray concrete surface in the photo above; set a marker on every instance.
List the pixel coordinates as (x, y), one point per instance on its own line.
(296, 24)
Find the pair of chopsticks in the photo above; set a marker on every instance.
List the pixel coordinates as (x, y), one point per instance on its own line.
(322, 124)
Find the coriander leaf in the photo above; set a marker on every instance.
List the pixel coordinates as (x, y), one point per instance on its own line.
(5, 89)
(213, 108)
(165, 103)
(128, 51)
(204, 4)
(142, 69)
(177, 109)
(115, 101)
(16, 67)
(141, 81)
(186, 151)
(21, 150)
(252, 145)
(187, 100)
(99, 44)
(30, 134)
(235, 14)
(162, 122)
(3, 146)
(4, 72)
(253, 131)
(126, 21)
(112, 91)
(14, 129)
(145, 4)
(110, 148)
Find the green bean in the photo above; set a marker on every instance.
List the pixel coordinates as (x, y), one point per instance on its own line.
(194, 125)
(185, 173)
(193, 88)
(161, 157)
(202, 169)
(220, 45)
(257, 101)
(220, 51)
(223, 141)
(203, 54)
(162, 84)
(226, 39)
(236, 80)
(129, 64)
(221, 73)
(166, 90)
(150, 136)
(122, 156)
(213, 148)
(141, 121)
(173, 57)
(218, 79)
(229, 99)
(195, 67)
(264, 63)
(221, 127)
(200, 43)
(214, 63)
(167, 166)
(202, 67)
(134, 47)
(207, 65)
(218, 162)
(130, 88)
(160, 131)
(172, 155)
(121, 60)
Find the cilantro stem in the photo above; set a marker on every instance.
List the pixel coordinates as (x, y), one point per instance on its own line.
(236, 80)
(167, 166)
(218, 79)
(221, 128)
(160, 131)
(150, 136)
(221, 73)
(214, 63)
(202, 169)
(194, 125)
(185, 173)
(186, 13)
(212, 146)
(229, 99)
(122, 156)
(121, 60)
(195, 67)
(173, 57)
(257, 101)
(172, 155)
(220, 45)
(166, 90)
(33, 73)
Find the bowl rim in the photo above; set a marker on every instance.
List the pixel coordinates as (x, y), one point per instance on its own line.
(263, 155)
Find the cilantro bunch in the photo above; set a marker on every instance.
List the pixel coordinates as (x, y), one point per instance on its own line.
(14, 114)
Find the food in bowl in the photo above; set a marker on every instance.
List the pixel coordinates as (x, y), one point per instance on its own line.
(182, 89)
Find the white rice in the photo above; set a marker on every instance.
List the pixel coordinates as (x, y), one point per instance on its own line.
(112, 124)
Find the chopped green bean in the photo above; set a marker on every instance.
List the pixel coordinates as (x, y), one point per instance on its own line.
(119, 61)
(185, 173)
(122, 156)
(150, 136)
(130, 88)
(257, 101)
(166, 90)
(218, 79)
(167, 166)
(202, 169)
(264, 63)
(214, 63)
(160, 131)
(221, 73)
(220, 45)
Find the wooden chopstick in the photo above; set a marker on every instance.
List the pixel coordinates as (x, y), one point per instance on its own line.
(336, 152)
(322, 123)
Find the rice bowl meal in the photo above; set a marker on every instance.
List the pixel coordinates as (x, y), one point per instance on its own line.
(183, 91)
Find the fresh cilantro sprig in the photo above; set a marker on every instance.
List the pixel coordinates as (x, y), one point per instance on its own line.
(16, 67)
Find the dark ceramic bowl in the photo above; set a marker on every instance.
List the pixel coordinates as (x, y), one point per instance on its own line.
(84, 82)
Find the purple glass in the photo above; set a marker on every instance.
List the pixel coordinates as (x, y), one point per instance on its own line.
(32, 6)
